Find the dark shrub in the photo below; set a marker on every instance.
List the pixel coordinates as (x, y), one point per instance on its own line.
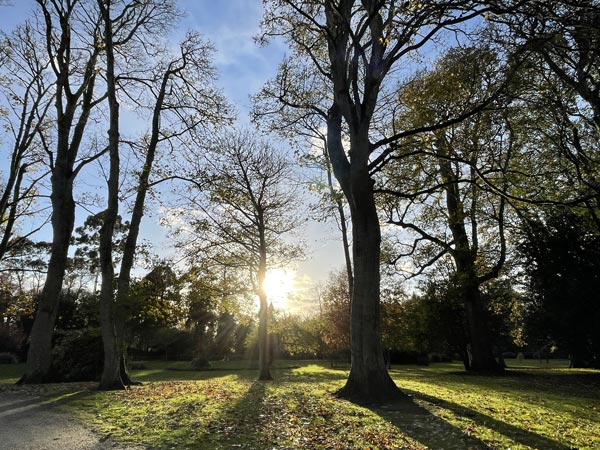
(13, 340)
(7, 358)
(408, 357)
(77, 355)
(200, 363)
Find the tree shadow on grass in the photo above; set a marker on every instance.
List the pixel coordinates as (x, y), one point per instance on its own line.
(237, 425)
(580, 385)
(424, 427)
(21, 405)
(515, 433)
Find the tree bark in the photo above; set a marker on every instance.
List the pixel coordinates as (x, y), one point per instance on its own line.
(369, 380)
(480, 354)
(37, 369)
(264, 360)
(111, 374)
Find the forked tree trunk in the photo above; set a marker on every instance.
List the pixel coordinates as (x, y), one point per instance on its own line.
(37, 369)
(369, 380)
(111, 373)
(69, 135)
(480, 356)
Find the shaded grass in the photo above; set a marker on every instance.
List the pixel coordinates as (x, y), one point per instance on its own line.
(527, 408)
(11, 373)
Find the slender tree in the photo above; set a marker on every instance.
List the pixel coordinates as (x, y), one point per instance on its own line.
(27, 99)
(72, 32)
(183, 102)
(303, 121)
(111, 378)
(181, 99)
(251, 207)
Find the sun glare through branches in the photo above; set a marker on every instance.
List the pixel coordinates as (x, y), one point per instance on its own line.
(279, 284)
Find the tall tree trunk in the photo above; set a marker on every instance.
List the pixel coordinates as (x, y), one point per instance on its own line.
(264, 359)
(480, 354)
(124, 279)
(481, 351)
(111, 373)
(369, 380)
(37, 369)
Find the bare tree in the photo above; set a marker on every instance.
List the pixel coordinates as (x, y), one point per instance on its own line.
(27, 98)
(76, 38)
(250, 207)
(182, 102)
(110, 372)
(73, 44)
(303, 122)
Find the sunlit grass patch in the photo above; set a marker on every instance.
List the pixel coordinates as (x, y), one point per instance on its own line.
(224, 409)
(231, 412)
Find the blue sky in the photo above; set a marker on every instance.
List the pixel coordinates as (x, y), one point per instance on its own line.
(243, 67)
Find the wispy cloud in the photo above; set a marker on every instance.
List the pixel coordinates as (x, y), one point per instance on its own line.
(231, 26)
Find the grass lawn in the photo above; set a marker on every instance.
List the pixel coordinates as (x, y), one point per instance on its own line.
(534, 406)
(10, 373)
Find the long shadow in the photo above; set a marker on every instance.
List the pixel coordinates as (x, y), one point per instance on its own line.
(24, 407)
(237, 425)
(515, 433)
(20, 404)
(421, 425)
(580, 385)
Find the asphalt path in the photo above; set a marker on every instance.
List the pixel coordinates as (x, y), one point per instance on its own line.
(33, 422)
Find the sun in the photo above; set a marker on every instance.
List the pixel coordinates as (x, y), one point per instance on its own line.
(279, 284)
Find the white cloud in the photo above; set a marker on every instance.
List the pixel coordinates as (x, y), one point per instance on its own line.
(231, 25)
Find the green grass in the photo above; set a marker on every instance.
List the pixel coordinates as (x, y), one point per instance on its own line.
(10, 373)
(533, 406)
(540, 408)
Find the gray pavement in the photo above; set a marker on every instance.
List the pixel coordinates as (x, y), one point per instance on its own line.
(32, 422)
